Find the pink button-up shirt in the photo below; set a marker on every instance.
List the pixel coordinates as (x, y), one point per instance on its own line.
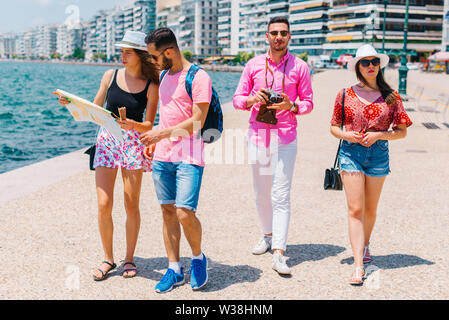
(297, 84)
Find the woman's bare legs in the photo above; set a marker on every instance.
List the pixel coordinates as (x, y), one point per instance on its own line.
(354, 186)
(105, 181)
(132, 182)
(373, 189)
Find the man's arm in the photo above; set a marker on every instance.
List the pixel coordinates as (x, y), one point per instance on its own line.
(305, 93)
(244, 89)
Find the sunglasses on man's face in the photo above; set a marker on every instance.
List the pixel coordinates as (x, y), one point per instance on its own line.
(283, 33)
(366, 62)
(152, 56)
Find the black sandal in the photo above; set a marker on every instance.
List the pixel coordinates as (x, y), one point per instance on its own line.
(129, 270)
(104, 275)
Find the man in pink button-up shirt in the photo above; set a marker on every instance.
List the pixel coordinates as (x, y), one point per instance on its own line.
(272, 148)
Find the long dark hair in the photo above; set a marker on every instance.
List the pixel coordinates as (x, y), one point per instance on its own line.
(149, 69)
(384, 88)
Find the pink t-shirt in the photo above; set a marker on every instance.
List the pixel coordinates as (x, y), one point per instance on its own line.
(175, 107)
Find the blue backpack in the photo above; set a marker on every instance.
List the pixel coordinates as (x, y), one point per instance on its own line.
(213, 126)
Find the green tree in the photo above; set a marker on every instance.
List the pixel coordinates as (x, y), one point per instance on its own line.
(243, 57)
(78, 54)
(188, 55)
(99, 56)
(304, 56)
(55, 55)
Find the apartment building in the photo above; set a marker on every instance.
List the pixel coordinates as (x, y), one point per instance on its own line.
(68, 38)
(308, 25)
(228, 26)
(353, 22)
(445, 40)
(2, 48)
(45, 40)
(108, 27)
(199, 27)
(253, 25)
(254, 18)
(168, 16)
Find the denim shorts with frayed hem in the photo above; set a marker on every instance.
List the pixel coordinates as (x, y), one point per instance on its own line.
(178, 183)
(373, 161)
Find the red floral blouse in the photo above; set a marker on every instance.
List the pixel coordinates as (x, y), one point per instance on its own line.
(377, 116)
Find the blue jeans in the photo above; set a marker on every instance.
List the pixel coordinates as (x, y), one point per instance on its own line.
(373, 161)
(178, 183)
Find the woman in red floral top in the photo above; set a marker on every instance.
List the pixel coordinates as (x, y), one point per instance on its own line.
(370, 108)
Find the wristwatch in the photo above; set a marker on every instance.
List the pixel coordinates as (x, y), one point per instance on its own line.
(294, 108)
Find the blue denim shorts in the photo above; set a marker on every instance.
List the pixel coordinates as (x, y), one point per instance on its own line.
(373, 161)
(178, 183)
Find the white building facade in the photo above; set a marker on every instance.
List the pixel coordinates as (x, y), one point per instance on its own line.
(169, 17)
(68, 38)
(445, 40)
(107, 28)
(199, 27)
(229, 26)
(2, 47)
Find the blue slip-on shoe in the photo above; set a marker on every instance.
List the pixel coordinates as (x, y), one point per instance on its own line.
(198, 273)
(169, 280)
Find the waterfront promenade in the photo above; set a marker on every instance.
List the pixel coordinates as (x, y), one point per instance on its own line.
(50, 244)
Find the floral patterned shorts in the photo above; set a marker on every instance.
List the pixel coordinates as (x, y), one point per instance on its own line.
(112, 154)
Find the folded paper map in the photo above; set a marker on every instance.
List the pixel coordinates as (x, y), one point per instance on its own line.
(84, 110)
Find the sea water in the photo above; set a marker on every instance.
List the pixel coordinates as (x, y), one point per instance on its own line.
(34, 127)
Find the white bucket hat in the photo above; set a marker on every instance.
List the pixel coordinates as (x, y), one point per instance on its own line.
(133, 40)
(367, 50)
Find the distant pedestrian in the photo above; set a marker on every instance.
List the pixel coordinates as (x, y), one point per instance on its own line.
(272, 137)
(370, 108)
(312, 69)
(136, 88)
(178, 163)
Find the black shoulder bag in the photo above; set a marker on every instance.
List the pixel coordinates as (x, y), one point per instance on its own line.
(332, 178)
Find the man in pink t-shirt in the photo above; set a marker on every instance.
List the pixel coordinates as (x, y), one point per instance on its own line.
(272, 145)
(178, 161)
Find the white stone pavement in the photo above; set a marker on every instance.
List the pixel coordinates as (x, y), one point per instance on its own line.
(49, 232)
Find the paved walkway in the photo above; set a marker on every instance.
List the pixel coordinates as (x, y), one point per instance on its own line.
(49, 240)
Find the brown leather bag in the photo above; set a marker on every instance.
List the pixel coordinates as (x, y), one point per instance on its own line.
(266, 115)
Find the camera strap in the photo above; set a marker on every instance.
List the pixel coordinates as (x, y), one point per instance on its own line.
(271, 71)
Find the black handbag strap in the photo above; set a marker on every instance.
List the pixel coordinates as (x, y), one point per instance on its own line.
(337, 158)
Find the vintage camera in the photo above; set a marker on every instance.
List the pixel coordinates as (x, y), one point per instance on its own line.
(274, 97)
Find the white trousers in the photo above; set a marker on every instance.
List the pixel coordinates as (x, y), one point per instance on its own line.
(272, 170)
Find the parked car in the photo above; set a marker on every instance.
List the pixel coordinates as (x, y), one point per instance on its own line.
(319, 65)
(333, 66)
(412, 66)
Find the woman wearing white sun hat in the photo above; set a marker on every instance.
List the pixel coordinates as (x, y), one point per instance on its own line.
(136, 87)
(370, 107)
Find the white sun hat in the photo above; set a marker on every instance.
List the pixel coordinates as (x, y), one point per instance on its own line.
(367, 50)
(133, 40)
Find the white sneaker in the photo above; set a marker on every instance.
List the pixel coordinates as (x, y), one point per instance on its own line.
(280, 265)
(263, 246)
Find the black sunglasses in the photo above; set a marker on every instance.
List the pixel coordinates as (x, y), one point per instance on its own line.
(283, 33)
(366, 62)
(152, 56)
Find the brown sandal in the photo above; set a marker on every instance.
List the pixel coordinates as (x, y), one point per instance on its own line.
(129, 270)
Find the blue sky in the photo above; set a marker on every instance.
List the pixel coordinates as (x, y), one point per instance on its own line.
(20, 15)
